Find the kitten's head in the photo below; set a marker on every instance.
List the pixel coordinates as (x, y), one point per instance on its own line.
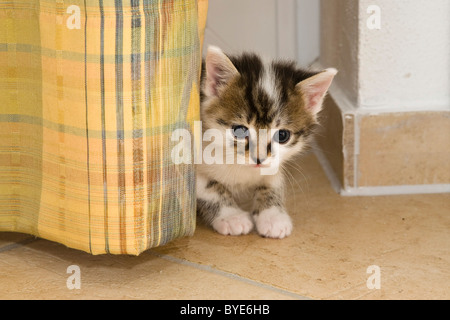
(265, 111)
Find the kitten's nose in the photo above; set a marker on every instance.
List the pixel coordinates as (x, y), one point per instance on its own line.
(258, 160)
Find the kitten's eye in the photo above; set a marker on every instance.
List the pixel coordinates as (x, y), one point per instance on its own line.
(282, 136)
(240, 132)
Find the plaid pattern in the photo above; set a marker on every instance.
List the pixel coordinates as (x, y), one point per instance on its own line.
(90, 92)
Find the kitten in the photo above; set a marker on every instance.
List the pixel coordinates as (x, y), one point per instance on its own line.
(240, 95)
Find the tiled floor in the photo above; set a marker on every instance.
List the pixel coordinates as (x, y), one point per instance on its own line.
(334, 242)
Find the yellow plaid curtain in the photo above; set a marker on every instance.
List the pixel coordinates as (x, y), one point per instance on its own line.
(90, 93)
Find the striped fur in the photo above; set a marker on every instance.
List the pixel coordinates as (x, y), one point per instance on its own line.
(260, 95)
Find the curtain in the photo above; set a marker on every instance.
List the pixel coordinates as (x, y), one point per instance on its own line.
(90, 93)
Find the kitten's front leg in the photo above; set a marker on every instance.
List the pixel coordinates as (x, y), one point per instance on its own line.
(215, 204)
(271, 218)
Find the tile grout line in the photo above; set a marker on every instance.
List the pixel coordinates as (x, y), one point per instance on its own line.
(197, 266)
(18, 244)
(227, 275)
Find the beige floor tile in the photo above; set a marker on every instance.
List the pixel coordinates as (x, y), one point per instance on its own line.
(334, 241)
(39, 271)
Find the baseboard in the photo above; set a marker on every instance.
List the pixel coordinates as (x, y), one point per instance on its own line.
(384, 151)
(375, 191)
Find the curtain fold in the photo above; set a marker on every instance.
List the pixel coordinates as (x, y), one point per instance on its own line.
(90, 93)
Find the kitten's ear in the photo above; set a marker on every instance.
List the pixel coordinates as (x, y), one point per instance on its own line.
(314, 89)
(219, 70)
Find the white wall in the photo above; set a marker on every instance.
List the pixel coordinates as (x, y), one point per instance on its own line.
(238, 25)
(273, 28)
(339, 29)
(308, 31)
(406, 63)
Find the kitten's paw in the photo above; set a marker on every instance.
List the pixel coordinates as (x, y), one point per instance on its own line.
(273, 223)
(233, 221)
